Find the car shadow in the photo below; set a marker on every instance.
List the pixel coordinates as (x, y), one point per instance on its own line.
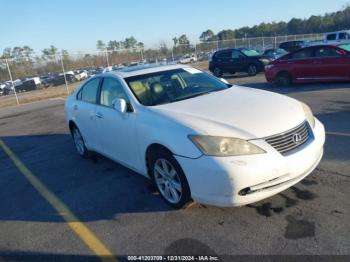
(94, 189)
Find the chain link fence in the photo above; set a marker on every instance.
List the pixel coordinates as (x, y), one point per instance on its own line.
(58, 75)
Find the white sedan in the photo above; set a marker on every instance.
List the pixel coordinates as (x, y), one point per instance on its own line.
(195, 136)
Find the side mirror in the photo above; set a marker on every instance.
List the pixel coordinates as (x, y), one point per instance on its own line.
(119, 104)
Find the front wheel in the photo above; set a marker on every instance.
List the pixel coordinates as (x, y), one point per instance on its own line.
(169, 179)
(217, 72)
(283, 79)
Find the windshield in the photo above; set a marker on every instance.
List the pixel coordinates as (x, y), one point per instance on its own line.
(173, 85)
(346, 47)
(249, 52)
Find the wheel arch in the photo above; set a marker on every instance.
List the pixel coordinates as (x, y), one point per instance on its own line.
(71, 125)
(148, 153)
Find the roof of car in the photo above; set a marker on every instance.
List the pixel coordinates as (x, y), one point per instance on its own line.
(144, 69)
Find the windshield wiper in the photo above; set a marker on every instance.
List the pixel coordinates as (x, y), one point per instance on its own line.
(191, 96)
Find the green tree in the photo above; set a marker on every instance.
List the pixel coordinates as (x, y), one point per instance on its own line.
(100, 45)
(49, 53)
(206, 35)
(226, 34)
(183, 40)
(130, 42)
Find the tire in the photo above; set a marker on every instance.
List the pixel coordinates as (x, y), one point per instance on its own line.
(217, 72)
(79, 143)
(283, 79)
(252, 70)
(169, 179)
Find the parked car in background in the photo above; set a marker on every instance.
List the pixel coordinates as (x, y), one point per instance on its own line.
(186, 59)
(273, 53)
(26, 85)
(237, 60)
(80, 75)
(195, 136)
(60, 79)
(291, 46)
(322, 63)
(337, 36)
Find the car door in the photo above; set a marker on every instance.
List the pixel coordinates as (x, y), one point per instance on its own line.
(84, 111)
(223, 59)
(239, 61)
(116, 130)
(330, 63)
(300, 64)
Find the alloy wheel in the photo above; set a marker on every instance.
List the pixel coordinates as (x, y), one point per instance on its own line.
(167, 180)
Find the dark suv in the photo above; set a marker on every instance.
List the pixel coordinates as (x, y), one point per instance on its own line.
(291, 46)
(237, 60)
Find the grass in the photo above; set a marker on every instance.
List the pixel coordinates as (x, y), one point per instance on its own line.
(57, 91)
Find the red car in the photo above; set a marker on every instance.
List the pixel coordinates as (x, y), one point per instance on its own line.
(321, 63)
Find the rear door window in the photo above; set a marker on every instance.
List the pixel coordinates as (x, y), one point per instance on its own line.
(224, 54)
(303, 54)
(237, 54)
(89, 91)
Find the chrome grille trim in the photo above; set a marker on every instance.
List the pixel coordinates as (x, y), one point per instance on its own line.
(284, 142)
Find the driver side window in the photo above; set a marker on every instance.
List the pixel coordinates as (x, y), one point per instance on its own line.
(111, 89)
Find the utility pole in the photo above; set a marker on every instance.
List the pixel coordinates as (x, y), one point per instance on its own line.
(13, 86)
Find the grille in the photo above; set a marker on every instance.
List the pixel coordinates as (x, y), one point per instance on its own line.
(290, 140)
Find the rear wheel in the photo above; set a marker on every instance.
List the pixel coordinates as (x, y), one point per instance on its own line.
(283, 79)
(79, 142)
(252, 70)
(169, 179)
(217, 72)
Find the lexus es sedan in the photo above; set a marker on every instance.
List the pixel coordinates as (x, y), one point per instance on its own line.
(194, 135)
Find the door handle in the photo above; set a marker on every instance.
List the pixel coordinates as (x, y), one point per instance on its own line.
(75, 107)
(99, 115)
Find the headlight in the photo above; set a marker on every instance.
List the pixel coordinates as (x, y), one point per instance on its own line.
(225, 146)
(308, 114)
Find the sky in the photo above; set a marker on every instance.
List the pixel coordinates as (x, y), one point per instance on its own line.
(76, 25)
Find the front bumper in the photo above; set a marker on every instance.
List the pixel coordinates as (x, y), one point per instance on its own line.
(219, 181)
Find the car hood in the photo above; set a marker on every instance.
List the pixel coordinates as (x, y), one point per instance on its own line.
(243, 112)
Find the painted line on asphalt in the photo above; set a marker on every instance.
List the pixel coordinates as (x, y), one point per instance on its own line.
(338, 134)
(78, 227)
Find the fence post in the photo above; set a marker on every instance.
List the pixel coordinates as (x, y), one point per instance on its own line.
(64, 74)
(217, 45)
(13, 86)
(107, 57)
(263, 43)
(172, 54)
(275, 42)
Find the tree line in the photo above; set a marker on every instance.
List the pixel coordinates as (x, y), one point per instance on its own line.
(335, 21)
